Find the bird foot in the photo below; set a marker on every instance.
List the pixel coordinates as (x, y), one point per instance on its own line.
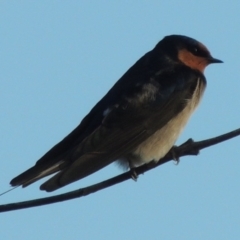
(134, 174)
(175, 155)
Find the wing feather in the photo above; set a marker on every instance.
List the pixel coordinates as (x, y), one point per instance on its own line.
(108, 143)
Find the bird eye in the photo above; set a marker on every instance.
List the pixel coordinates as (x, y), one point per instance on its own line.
(196, 50)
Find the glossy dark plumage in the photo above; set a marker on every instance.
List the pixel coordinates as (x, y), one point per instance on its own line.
(137, 121)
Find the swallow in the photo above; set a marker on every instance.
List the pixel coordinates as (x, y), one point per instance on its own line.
(137, 121)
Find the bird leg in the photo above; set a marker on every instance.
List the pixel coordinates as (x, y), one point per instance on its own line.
(174, 153)
(133, 172)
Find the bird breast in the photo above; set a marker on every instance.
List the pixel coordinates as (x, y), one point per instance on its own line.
(158, 145)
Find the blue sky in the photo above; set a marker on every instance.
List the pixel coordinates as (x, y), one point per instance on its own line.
(57, 59)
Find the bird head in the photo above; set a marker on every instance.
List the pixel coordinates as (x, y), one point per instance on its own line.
(186, 50)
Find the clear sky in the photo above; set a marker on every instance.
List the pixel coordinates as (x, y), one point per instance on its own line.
(57, 59)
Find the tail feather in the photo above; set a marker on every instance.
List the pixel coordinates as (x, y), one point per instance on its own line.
(33, 174)
(82, 167)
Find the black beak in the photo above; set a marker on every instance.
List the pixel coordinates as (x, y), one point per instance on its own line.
(214, 60)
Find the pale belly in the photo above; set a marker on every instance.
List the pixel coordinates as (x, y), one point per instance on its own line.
(158, 145)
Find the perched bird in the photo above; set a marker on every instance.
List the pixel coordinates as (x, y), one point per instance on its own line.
(137, 121)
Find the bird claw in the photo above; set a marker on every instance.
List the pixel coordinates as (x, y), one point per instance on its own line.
(134, 174)
(174, 154)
